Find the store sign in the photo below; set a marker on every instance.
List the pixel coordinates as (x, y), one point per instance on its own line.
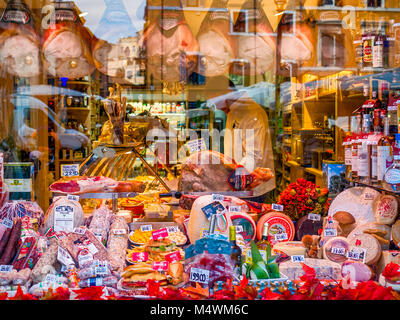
(234, 208)
(63, 218)
(70, 170)
(173, 229)
(71, 197)
(8, 223)
(199, 275)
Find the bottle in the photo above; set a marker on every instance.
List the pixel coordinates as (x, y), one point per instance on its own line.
(236, 252)
(367, 40)
(358, 47)
(363, 151)
(392, 174)
(378, 48)
(354, 148)
(263, 245)
(213, 221)
(384, 152)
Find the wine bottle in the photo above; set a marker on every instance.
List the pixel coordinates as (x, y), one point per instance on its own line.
(264, 245)
(236, 252)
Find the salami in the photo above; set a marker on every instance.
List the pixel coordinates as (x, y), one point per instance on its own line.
(4, 240)
(11, 247)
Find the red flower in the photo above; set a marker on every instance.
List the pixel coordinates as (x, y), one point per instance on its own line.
(391, 272)
(267, 294)
(19, 295)
(91, 293)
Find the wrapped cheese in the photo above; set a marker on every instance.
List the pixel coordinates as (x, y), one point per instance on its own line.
(386, 209)
(324, 269)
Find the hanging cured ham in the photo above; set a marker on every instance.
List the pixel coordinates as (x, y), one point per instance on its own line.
(19, 43)
(256, 40)
(170, 46)
(66, 44)
(216, 45)
(296, 43)
(108, 56)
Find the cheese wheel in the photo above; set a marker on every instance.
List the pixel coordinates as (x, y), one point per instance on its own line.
(290, 248)
(280, 227)
(305, 226)
(369, 243)
(385, 209)
(245, 225)
(383, 229)
(357, 201)
(395, 232)
(335, 249)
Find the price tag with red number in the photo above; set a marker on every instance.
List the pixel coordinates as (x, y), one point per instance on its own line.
(159, 234)
(140, 256)
(160, 265)
(173, 257)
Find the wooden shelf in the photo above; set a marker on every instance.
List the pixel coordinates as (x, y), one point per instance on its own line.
(314, 171)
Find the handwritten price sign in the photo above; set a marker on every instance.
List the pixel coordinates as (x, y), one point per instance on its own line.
(159, 234)
(70, 170)
(199, 275)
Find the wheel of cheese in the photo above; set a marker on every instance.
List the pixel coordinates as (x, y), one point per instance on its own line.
(335, 242)
(387, 257)
(358, 202)
(396, 233)
(290, 248)
(279, 223)
(305, 226)
(386, 209)
(384, 230)
(357, 270)
(369, 243)
(245, 223)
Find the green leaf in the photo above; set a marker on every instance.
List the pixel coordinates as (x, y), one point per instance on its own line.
(162, 248)
(272, 259)
(260, 270)
(273, 269)
(255, 253)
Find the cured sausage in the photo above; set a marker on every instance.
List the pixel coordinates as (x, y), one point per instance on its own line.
(11, 247)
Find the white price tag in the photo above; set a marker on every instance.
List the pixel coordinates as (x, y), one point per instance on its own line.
(239, 228)
(297, 258)
(146, 227)
(368, 196)
(80, 231)
(8, 223)
(197, 145)
(71, 197)
(6, 267)
(70, 170)
(340, 251)
(234, 208)
(217, 197)
(64, 257)
(64, 218)
(277, 207)
(172, 229)
(199, 275)
(314, 217)
(330, 232)
(281, 237)
(119, 231)
(101, 271)
(356, 253)
(52, 278)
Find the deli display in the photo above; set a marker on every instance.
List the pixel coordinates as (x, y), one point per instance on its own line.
(199, 150)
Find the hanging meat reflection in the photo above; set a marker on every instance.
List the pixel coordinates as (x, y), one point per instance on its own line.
(256, 40)
(19, 43)
(216, 45)
(66, 44)
(171, 49)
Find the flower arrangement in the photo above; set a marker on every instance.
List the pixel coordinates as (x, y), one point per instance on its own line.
(303, 197)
